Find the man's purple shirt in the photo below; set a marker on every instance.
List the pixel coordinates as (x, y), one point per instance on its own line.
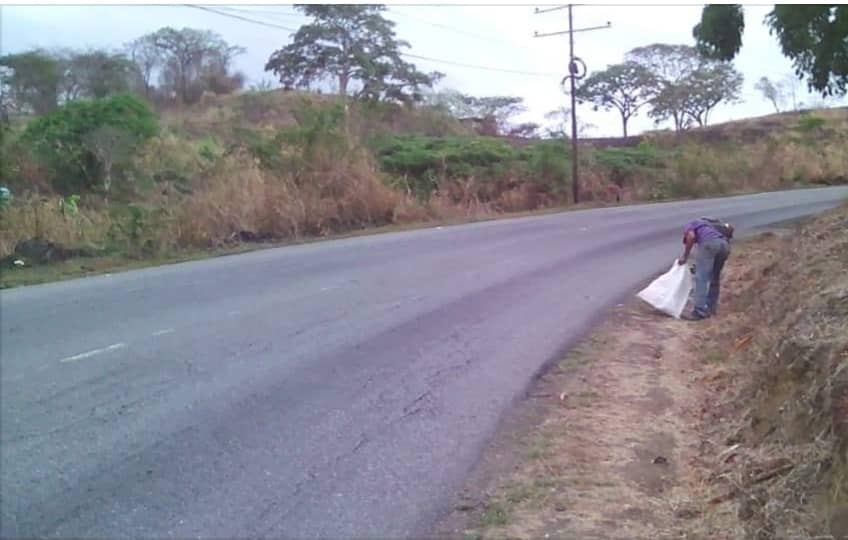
(703, 231)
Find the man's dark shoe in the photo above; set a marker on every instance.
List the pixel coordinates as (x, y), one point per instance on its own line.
(694, 316)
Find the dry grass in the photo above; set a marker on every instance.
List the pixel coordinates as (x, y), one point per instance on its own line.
(240, 199)
(44, 217)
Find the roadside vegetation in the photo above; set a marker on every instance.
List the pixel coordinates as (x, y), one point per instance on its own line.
(158, 151)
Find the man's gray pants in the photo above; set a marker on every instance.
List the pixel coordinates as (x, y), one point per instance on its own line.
(709, 262)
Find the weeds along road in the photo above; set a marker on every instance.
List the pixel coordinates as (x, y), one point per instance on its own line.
(339, 389)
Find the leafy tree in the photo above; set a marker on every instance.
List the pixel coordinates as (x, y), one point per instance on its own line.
(624, 87)
(712, 35)
(65, 139)
(813, 36)
(712, 84)
(353, 45)
(30, 81)
(188, 58)
(772, 91)
(686, 87)
(93, 74)
(670, 103)
(670, 66)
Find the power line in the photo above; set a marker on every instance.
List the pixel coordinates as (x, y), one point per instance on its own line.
(234, 16)
(481, 37)
(262, 11)
(407, 55)
(267, 13)
(487, 68)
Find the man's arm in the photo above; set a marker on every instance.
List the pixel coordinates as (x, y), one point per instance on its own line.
(689, 242)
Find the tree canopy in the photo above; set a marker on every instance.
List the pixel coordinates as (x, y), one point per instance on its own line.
(190, 59)
(685, 86)
(354, 46)
(29, 81)
(623, 87)
(713, 83)
(93, 74)
(813, 36)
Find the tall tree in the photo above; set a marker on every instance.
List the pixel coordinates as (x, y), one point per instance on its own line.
(772, 91)
(706, 88)
(353, 45)
(93, 74)
(147, 58)
(30, 81)
(187, 55)
(670, 66)
(625, 88)
(813, 36)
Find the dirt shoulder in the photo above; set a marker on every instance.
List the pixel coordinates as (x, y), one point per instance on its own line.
(736, 427)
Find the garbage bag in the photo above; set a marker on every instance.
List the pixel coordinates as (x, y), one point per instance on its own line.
(669, 292)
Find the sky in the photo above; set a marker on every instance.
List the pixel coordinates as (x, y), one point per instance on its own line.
(495, 36)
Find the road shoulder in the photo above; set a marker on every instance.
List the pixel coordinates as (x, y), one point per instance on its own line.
(657, 428)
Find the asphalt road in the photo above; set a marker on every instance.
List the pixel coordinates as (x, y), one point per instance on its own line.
(340, 389)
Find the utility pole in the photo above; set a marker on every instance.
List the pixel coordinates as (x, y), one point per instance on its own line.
(574, 73)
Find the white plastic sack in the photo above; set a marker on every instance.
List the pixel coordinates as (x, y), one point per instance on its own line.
(669, 292)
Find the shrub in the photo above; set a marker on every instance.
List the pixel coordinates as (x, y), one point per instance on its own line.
(419, 163)
(550, 164)
(81, 141)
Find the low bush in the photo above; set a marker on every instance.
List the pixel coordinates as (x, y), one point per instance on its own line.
(82, 141)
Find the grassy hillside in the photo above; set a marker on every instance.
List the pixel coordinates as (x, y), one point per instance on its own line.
(278, 166)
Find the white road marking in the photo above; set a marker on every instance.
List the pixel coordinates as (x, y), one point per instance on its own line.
(233, 313)
(94, 352)
(163, 332)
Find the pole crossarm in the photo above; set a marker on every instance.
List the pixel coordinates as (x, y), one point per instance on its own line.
(601, 27)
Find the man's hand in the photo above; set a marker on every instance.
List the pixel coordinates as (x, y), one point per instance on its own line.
(682, 260)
